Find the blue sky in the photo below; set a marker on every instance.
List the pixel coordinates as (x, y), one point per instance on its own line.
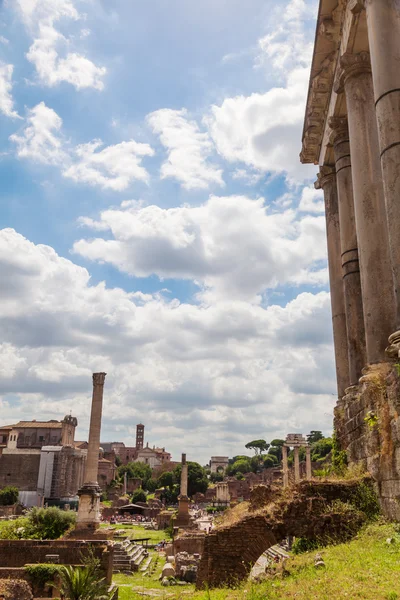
(156, 222)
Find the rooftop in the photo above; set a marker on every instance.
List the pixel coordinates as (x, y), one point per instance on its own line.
(36, 424)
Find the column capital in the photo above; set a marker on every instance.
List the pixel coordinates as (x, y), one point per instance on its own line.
(325, 176)
(356, 6)
(98, 378)
(339, 129)
(351, 65)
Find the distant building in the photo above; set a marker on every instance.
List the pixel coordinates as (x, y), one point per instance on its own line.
(218, 464)
(139, 436)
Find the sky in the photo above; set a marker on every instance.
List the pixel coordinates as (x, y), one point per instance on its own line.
(156, 223)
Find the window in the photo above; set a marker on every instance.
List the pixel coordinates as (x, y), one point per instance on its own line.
(41, 438)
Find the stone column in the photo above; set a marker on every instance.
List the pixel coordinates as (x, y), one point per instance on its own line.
(355, 79)
(183, 518)
(285, 467)
(383, 20)
(349, 250)
(89, 494)
(327, 182)
(296, 465)
(308, 463)
(184, 477)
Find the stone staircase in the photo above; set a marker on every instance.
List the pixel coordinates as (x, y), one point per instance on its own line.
(128, 556)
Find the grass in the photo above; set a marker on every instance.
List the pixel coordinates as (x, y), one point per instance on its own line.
(138, 531)
(366, 568)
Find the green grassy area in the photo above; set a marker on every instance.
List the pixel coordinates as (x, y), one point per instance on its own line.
(367, 568)
(138, 531)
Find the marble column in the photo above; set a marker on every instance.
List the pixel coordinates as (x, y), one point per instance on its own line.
(308, 463)
(89, 494)
(327, 181)
(285, 467)
(349, 250)
(355, 79)
(296, 465)
(383, 21)
(184, 476)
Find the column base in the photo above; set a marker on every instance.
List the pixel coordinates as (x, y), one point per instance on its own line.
(183, 518)
(393, 350)
(89, 507)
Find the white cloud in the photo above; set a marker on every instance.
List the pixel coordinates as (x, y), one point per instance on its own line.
(4, 40)
(40, 16)
(263, 130)
(196, 375)
(188, 149)
(288, 45)
(41, 140)
(233, 246)
(311, 200)
(113, 167)
(6, 100)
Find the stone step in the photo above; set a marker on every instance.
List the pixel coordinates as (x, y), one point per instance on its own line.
(146, 563)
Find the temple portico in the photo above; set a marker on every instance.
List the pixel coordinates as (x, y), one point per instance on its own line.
(295, 441)
(352, 130)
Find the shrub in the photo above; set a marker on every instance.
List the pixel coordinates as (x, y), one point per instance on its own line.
(8, 496)
(301, 545)
(365, 499)
(49, 523)
(138, 496)
(41, 574)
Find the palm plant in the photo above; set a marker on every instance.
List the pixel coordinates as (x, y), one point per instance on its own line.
(82, 583)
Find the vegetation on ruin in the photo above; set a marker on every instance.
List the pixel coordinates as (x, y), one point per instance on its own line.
(83, 583)
(8, 496)
(38, 524)
(363, 568)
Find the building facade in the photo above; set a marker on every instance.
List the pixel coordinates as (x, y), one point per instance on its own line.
(352, 131)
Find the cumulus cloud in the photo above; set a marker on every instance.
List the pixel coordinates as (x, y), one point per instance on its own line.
(45, 53)
(113, 167)
(263, 130)
(188, 149)
(40, 141)
(6, 99)
(311, 200)
(234, 246)
(217, 374)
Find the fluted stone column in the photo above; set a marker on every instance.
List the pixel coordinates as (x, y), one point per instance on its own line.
(285, 467)
(372, 233)
(308, 463)
(89, 494)
(296, 465)
(327, 181)
(383, 20)
(349, 250)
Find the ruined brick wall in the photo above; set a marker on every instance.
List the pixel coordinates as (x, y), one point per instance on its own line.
(20, 469)
(374, 444)
(230, 552)
(17, 553)
(192, 543)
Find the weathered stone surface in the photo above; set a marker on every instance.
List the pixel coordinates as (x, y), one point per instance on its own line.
(260, 496)
(13, 589)
(168, 570)
(230, 552)
(374, 444)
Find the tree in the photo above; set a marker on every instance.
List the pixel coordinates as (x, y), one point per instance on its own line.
(135, 470)
(152, 485)
(214, 477)
(321, 448)
(276, 449)
(258, 446)
(242, 465)
(8, 496)
(166, 479)
(49, 523)
(197, 477)
(138, 496)
(269, 461)
(314, 436)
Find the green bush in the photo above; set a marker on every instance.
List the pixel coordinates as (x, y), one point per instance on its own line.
(42, 573)
(301, 545)
(366, 500)
(8, 496)
(138, 496)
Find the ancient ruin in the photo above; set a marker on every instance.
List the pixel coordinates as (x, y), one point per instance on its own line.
(183, 518)
(352, 130)
(295, 441)
(89, 494)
